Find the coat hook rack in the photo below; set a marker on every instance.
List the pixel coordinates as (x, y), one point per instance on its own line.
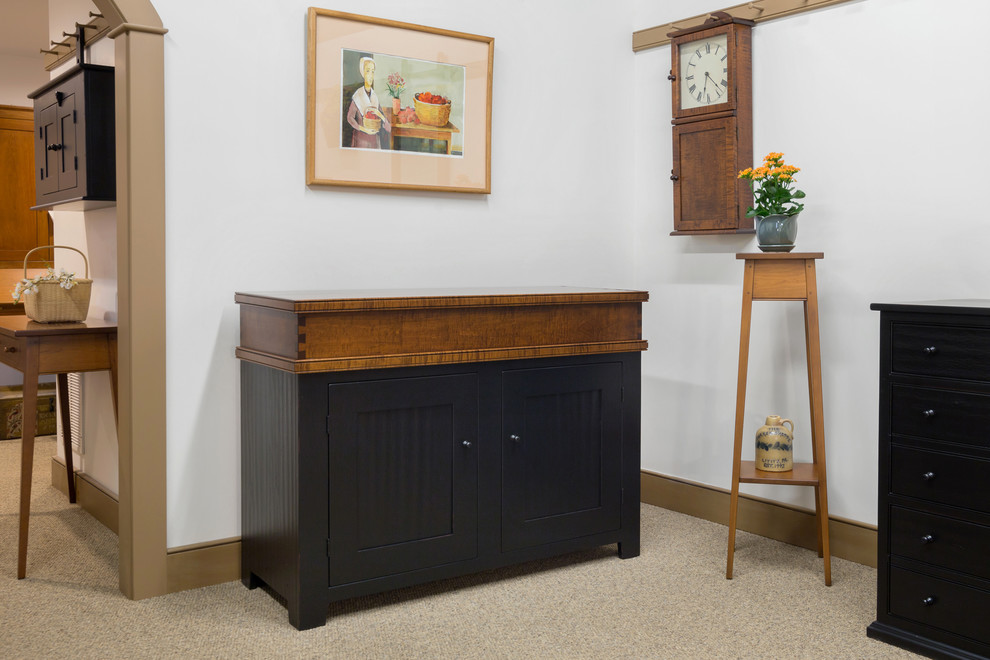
(74, 43)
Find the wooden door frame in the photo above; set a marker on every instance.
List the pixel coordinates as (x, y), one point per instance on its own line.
(139, 61)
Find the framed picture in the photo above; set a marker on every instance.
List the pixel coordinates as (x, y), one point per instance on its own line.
(395, 105)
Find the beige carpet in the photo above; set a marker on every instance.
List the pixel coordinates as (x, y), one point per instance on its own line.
(671, 602)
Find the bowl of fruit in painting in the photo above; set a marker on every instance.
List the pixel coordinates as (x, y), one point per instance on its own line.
(432, 109)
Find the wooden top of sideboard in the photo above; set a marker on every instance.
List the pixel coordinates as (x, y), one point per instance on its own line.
(370, 299)
(312, 331)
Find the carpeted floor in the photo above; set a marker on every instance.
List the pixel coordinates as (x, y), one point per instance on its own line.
(672, 601)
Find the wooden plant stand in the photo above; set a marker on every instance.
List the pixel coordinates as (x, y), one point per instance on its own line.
(783, 276)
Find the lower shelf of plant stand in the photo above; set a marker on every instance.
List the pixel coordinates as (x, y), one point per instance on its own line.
(803, 474)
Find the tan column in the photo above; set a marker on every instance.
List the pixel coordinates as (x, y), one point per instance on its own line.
(140, 99)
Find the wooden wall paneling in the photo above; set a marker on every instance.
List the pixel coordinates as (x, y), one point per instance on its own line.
(21, 229)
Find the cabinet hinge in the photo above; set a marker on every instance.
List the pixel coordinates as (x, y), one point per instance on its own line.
(75, 162)
(73, 116)
(328, 426)
(40, 135)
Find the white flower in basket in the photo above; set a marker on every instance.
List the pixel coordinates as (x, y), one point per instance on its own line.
(55, 297)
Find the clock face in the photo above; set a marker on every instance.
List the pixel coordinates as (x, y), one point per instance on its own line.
(704, 74)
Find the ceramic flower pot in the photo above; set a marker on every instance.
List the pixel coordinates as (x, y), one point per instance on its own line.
(776, 233)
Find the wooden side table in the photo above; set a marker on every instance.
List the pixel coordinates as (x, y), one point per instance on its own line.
(51, 348)
(424, 131)
(783, 276)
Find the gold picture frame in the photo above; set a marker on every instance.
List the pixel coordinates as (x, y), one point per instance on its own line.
(440, 137)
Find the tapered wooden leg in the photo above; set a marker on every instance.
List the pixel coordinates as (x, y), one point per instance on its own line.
(817, 415)
(744, 329)
(29, 419)
(112, 357)
(62, 384)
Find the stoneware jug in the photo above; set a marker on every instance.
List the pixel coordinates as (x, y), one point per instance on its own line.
(774, 445)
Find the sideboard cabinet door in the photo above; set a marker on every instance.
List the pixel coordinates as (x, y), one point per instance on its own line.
(403, 475)
(561, 453)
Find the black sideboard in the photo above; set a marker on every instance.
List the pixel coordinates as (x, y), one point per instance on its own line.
(394, 438)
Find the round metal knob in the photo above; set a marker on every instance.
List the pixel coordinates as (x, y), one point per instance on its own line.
(9, 349)
(671, 77)
(514, 438)
(927, 602)
(674, 177)
(928, 413)
(54, 147)
(928, 476)
(929, 350)
(927, 538)
(466, 443)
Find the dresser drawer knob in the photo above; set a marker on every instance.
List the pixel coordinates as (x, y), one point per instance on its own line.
(929, 350)
(466, 443)
(928, 413)
(927, 538)
(928, 602)
(9, 349)
(928, 476)
(515, 438)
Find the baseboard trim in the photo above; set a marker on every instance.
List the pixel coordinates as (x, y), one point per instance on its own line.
(848, 539)
(90, 496)
(203, 564)
(188, 567)
(215, 562)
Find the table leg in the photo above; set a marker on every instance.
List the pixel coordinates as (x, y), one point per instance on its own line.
(62, 384)
(29, 420)
(745, 325)
(112, 359)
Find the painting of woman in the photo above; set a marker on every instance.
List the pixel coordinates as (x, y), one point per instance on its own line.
(363, 101)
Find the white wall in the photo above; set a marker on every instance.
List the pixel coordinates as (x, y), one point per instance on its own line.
(21, 76)
(240, 217)
(891, 138)
(579, 198)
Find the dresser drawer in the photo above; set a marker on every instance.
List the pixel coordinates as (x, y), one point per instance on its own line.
(945, 478)
(941, 604)
(12, 352)
(943, 351)
(954, 544)
(948, 415)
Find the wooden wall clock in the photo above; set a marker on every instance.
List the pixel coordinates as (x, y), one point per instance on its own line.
(712, 78)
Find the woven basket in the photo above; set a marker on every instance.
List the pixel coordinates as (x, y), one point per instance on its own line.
(373, 124)
(53, 304)
(432, 114)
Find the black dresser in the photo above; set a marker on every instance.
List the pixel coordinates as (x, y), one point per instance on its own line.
(933, 577)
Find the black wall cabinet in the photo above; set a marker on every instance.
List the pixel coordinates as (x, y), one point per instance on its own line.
(74, 154)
